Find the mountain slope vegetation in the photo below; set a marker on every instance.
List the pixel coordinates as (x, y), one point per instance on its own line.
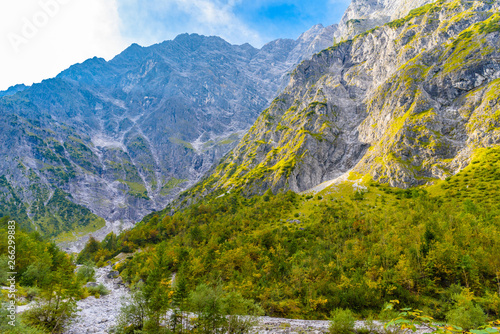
(405, 103)
(407, 113)
(354, 245)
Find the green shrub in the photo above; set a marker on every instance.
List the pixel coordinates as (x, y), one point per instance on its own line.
(97, 291)
(467, 316)
(19, 328)
(32, 292)
(206, 304)
(133, 314)
(234, 305)
(369, 327)
(50, 315)
(466, 313)
(222, 312)
(86, 273)
(342, 322)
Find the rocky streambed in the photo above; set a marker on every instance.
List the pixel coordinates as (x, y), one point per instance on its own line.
(99, 315)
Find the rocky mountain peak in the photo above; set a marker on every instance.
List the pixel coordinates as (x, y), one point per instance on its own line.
(363, 15)
(403, 104)
(121, 138)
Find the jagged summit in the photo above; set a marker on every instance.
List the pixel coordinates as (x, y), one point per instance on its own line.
(363, 15)
(123, 137)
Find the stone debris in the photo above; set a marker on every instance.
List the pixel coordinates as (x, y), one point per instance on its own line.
(98, 315)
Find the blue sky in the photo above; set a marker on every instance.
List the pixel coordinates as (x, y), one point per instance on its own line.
(40, 38)
(238, 21)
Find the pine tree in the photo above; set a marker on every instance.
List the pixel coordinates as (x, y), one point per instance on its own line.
(179, 304)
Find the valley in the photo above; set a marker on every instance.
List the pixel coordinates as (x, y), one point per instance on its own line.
(347, 181)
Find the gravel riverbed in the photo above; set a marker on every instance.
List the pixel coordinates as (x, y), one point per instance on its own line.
(99, 315)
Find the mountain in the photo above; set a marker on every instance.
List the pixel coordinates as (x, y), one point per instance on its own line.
(404, 104)
(363, 15)
(121, 138)
(412, 104)
(12, 90)
(115, 140)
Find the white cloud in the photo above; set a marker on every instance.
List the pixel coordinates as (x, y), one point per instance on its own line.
(217, 18)
(40, 38)
(206, 17)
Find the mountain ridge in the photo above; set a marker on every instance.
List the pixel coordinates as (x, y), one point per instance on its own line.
(325, 122)
(123, 137)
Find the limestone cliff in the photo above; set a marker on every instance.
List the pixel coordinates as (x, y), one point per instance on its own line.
(404, 103)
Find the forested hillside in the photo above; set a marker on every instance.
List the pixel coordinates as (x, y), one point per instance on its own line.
(354, 245)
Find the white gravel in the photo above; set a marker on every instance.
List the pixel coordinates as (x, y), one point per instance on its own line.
(98, 315)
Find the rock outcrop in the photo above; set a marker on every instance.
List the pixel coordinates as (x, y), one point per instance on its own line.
(119, 139)
(405, 103)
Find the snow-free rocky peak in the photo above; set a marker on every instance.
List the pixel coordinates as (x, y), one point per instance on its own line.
(403, 104)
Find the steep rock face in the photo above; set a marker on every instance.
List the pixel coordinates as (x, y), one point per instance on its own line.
(404, 103)
(123, 137)
(363, 15)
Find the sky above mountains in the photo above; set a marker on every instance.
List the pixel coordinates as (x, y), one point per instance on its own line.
(40, 38)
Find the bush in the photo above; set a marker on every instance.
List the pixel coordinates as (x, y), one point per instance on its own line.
(342, 322)
(19, 328)
(50, 315)
(97, 291)
(31, 293)
(234, 306)
(86, 273)
(466, 314)
(133, 315)
(206, 303)
(220, 312)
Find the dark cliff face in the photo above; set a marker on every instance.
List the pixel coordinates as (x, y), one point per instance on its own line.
(404, 104)
(123, 137)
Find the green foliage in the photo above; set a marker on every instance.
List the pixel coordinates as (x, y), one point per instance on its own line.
(58, 303)
(98, 291)
(171, 184)
(52, 216)
(136, 189)
(417, 245)
(466, 314)
(207, 306)
(86, 273)
(133, 316)
(181, 142)
(220, 312)
(341, 322)
(180, 296)
(47, 277)
(19, 328)
(51, 315)
(413, 13)
(95, 252)
(412, 320)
